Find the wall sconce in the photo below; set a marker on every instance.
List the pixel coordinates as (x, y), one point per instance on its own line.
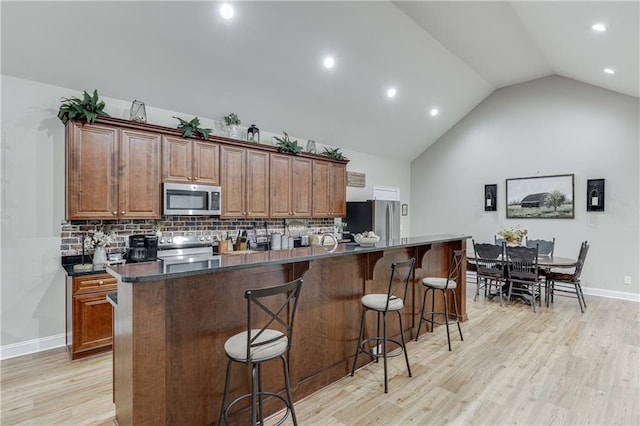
(595, 195)
(138, 112)
(490, 192)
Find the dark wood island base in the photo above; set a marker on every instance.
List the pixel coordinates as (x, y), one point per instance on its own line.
(170, 328)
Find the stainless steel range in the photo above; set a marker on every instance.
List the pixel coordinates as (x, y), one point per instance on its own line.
(187, 253)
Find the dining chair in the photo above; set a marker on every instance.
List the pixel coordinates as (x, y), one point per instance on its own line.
(568, 284)
(523, 271)
(489, 268)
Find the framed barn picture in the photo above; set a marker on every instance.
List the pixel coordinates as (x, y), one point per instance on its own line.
(540, 197)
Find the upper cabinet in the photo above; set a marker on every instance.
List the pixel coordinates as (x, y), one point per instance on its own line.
(291, 185)
(112, 173)
(115, 169)
(245, 182)
(190, 161)
(329, 189)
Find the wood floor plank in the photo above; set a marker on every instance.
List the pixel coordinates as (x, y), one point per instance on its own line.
(556, 366)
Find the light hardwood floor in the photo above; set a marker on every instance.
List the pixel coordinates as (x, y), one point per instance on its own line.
(557, 366)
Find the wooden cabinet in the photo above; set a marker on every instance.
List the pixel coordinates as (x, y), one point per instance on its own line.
(329, 189)
(89, 314)
(244, 178)
(112, 173)
(290, 186)
(190, 161)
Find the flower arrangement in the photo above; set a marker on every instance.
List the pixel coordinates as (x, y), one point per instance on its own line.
(513, 235)
(101, 237)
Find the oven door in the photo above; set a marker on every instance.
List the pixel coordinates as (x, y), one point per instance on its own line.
(185, 199)
(190, 263)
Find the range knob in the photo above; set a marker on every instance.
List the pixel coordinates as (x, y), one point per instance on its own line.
(161, 241)
(169, 241)
(208, 238)
(201, 238)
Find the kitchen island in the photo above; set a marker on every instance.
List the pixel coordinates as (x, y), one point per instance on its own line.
(170, 325)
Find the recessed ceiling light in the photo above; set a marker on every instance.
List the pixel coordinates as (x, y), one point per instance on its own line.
(609, 71)
(434, 112)
(226, 11)
(391, 92)
(599, 27)
(329, 62)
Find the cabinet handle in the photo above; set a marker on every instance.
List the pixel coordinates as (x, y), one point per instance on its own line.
(189, 178)
(195, 178)
(114, 213)
(122, 212)
(100, 282)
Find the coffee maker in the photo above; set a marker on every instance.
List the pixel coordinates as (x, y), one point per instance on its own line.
(142, 248)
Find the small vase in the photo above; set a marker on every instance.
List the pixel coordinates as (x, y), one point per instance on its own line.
(99, 257)
(232, 131)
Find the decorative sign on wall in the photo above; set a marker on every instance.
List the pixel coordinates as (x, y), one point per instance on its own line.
(356, 179)
(540, 197)
(490, 197)
(595, 195)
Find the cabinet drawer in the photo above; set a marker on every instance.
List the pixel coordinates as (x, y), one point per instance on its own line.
(101, 282)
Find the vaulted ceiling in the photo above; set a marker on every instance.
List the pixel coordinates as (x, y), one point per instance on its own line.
(265, 63)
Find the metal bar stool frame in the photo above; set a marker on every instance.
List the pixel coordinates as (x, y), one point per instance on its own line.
(260, 341)
(448, 284)
(392, 303)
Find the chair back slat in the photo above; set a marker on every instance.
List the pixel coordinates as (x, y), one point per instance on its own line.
(455, 267)
(582, 255)
(401, 274)
(283, 313)
(523, 262)
(545, 247)
(488, 258)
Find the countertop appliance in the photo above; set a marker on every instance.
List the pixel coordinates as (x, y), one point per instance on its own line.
(191, 200)
(142, 248)
(379, 216)
(187, 253)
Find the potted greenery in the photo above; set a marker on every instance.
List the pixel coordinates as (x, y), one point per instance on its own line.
(232, 122)
(86, 109)
(192, 127)
(334, 153)
(286, 145)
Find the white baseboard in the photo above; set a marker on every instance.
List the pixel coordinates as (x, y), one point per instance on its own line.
(634, 297)
(31, 346)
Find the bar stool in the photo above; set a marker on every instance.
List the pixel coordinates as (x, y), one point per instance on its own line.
(260, 343)
(391, 301)
(445, 285)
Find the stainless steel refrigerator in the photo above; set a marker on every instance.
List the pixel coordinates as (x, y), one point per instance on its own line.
(379, 216)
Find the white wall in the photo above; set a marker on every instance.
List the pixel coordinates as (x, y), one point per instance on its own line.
(548, 126)
(32, 297)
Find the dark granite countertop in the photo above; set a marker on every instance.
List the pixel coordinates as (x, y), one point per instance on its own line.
(159, 270)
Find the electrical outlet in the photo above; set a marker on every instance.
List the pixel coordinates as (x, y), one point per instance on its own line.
(627, 280)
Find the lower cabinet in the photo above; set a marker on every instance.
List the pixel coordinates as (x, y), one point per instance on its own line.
(89, 314)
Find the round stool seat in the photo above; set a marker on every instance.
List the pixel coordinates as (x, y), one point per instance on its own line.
(236, 346)
(438, 282)
(378, 302)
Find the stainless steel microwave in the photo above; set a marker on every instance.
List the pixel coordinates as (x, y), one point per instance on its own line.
(192, 200)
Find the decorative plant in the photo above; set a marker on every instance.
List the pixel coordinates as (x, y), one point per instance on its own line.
(513, 235)
(192, 127)
(87, 109)
(334, 153)
(286, 145)
(232, 119)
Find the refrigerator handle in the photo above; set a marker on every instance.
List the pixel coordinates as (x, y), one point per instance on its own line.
(389, 222)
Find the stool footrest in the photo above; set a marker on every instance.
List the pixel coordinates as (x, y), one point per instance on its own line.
(378, 341)
(259, 394)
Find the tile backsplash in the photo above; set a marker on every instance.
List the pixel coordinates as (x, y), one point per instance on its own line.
(72, 232)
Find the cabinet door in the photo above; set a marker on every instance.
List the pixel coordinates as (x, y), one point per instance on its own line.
(280, 185)
(206, 162)
(257, 184)
(92, 322)
(301, 187)
(320, 189)
(232, 166)
(92, 171)
(338, 189)
(139, 186)
(177, 159)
